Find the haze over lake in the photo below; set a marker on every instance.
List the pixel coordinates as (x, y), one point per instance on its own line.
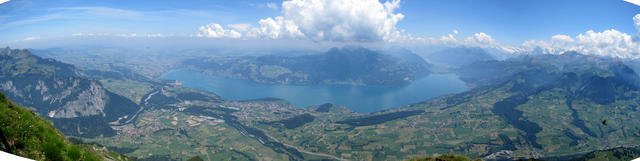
(362, 99)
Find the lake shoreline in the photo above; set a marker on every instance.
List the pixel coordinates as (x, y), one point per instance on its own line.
(361, 99)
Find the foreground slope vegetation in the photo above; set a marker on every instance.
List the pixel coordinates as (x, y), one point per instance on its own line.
(615, 154)
(25, 134)
(446, 158)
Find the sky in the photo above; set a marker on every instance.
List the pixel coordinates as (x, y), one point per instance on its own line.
(600, 27)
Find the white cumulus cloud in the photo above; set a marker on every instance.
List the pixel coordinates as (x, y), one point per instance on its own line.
(344, 20)
(607, 43)
(480, 39)
(272, 5)
(216, 31)
(127, 35)
(610, 43)
(562, 39)
(636, 21)
(31, 38)
(324, 20)
(276, 28)
(240, 27)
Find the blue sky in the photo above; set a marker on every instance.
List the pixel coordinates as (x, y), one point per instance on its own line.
(49, 18)
(517, 20)
(507, 22)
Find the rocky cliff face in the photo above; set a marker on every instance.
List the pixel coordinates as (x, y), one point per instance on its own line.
(90, 101)
(56, 91)
(59, 99)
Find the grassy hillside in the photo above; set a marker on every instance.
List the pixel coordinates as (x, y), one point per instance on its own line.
(446, 158)
(24, 133)
(616, 154)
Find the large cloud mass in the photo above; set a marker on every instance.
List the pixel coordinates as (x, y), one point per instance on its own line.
(373, 21)
(344, 20)
(611, 43)
(324, 20)
(608, 43)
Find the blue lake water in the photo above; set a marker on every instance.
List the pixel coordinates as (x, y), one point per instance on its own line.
(362, 99)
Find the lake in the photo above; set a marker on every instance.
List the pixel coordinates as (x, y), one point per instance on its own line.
(362, 99)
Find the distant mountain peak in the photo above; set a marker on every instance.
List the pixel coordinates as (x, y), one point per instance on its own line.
(346, 65)
(459, 56)
(572, 53)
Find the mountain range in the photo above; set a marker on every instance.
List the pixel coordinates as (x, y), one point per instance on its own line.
(554, 107)
(78, 106)
(348, 65)
(458, 56)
